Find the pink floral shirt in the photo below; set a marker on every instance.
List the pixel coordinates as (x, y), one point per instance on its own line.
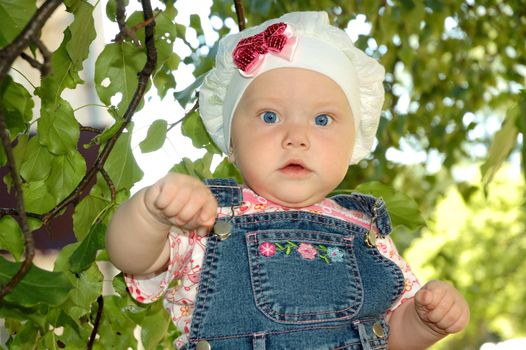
(188, 249)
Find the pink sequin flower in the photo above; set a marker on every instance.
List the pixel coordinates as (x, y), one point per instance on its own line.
(250, 52)
(307, 251)
(267, 249)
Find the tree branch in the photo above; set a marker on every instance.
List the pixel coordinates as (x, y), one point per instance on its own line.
(29, 251)
(240, 12)
(144, 75)
(8, 54)
(110, 184)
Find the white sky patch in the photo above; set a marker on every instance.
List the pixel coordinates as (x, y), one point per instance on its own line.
(358, 26)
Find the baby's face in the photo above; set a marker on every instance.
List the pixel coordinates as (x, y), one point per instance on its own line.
(293, 136)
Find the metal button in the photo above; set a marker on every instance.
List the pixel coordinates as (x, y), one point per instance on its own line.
(203, 345)
(370, 239)
(378, 330)
(222, 229)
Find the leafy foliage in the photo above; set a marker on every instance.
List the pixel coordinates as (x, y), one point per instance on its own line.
(453, 67)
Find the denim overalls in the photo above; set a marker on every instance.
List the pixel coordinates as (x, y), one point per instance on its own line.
(294, 280)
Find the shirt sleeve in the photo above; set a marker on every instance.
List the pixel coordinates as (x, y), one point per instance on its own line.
(148, 288)
(388, 249)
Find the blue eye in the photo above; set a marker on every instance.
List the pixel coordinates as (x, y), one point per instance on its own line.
(322, 120)
(269, 117)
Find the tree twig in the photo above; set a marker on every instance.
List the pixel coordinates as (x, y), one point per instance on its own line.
(90, 129)
(96, 323)
(46, 64)
(192, 110)
(240, 12)
(14, 212)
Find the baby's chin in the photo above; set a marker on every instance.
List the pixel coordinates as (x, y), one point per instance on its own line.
(291, 199)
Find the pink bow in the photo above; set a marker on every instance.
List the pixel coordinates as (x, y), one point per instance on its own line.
(250, 52)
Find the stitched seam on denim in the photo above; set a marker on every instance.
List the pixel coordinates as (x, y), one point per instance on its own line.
(223, 186)
(236, 219)
(209, 271)
(262, 300)
(395, 271)
(244, 335)
(350, 346)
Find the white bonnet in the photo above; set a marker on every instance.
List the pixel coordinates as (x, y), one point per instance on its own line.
(318, 46)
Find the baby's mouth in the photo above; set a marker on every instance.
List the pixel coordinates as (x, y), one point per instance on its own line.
(294, 168)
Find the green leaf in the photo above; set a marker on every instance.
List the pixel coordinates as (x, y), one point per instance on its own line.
(116, 328)
(37, 198)
(154, 326)
(20, 150)
(116, 72)
(11, 237)
(37, 162)
(155, 137)
(187, 95)
(106, 134)
(65, 75)
(121, 164)
(87, 284)
(87, 211)
(66, 173)
(503, 142)
(88, 287)
(37, 287)
(14, 14)
(57, 127)
(172, 62)
(17, 104)
(199, 169)
(85, 254)
(165, 35)
(82, 33)
(163, 81)
(25, 338)
(225, 169)
(111, 9)
(194, 128)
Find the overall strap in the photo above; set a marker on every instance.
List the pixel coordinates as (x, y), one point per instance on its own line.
(227, 192)
(371, 206)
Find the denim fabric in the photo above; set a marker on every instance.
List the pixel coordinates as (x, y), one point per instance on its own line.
(290, 299)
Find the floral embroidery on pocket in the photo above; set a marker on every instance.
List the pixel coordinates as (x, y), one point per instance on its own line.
(267, 249)
(307, 251)
(335, 254)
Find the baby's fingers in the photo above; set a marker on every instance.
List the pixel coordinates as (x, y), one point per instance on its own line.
(442, 308)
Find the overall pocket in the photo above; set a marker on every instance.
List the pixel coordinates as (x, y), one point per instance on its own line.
(302, 276)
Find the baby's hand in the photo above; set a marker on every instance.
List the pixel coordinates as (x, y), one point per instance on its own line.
(182, 201)
(442, 308)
